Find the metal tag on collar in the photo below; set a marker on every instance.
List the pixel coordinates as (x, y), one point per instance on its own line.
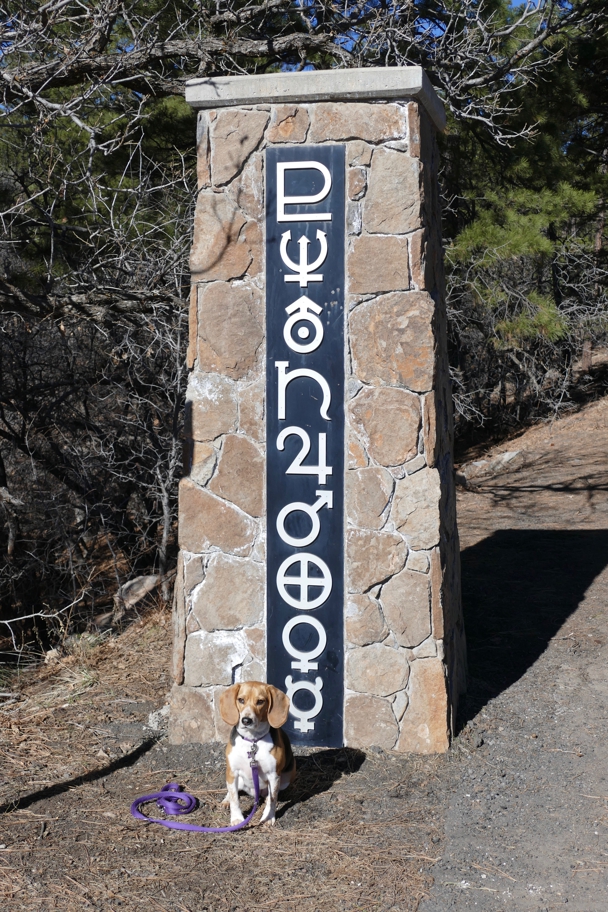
(251, 753)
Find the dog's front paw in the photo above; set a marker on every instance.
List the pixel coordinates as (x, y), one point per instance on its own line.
(268, 818)
(226, 802)
(236, 818)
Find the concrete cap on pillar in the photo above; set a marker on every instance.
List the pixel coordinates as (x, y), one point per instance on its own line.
(368, 83)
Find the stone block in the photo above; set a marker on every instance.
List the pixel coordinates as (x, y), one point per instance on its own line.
(357, 183)
(400, 704)
(353, 387)
(420, 268)
(357, 457)
(414, 465)
(211, 407)
(240, 474)
(415, 509)
(406, 606)
(194, 572)
(235, 134)
(399, 145)
(215, 658)
(426, 649)
(392, 204)
(424, 729)
(225, 243)
(247, 190)
(256, 641)
(437, 595)
(413, 129)
(353, 218)
(179, 622)
(429, 428)
(253, 237)
(418, 561)
(369, 722)
(376, 669)
(203, 152)
(191, 719)
(231, 329)
(359, 153)
(206, 523)
(339, 87)
(392, 341)
(202, 462)
(364, 623)
(377, 264)
(368, 492)
(289, 124)
(231, 595)
(251, 670)
(387, 420)
(254, 664)
(356, 120)
(192, 625)
(259, 550)
(372, 557)
(252, 417)
(192, 327)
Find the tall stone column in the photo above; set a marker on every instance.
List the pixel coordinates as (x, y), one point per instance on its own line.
(392, 663)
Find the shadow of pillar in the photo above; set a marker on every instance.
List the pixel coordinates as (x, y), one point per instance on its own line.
(518, 588)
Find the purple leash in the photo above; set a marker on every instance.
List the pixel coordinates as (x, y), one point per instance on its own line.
(172, 799)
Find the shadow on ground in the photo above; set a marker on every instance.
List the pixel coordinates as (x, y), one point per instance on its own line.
(317, 772)
(515, 416)
(59, 788)
(518, 588)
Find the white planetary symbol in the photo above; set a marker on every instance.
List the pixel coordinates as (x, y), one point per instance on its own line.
(304, 581)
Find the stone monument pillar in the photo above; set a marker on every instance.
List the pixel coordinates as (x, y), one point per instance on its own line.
(317, 526)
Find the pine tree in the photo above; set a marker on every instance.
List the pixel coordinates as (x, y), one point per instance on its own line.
(526, 261)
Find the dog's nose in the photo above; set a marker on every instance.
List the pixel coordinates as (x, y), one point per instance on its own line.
(247, 720)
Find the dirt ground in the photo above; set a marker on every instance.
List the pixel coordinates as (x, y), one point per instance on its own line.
(515, 817)
(354, 832)
(524, 796)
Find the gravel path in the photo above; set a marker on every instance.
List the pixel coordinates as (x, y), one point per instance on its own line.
(524, 793)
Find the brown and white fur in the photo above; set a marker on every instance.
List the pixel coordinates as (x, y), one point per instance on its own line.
(256, 711)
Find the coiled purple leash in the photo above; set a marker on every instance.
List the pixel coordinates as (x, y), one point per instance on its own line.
(172, 799)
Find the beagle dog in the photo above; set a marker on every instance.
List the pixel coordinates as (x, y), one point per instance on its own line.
(256, 711)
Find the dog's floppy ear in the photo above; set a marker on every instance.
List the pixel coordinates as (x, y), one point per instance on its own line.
(228, 708)
(279, 707)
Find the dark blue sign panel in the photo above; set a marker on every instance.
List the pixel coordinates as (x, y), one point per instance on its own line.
(305, 236)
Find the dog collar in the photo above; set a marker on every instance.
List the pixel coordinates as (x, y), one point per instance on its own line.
(254, 748)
